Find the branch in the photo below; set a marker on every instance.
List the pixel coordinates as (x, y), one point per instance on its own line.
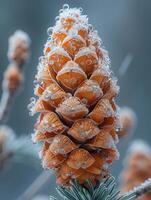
(140, 190)
(5, 105)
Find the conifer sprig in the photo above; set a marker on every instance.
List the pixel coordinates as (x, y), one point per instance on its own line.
(104, 190)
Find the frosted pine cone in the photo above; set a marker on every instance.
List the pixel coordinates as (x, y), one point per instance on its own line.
(18, 50)
(137, 167)
(18, 53)
(13, 77)
(78, 118)
(128, 121)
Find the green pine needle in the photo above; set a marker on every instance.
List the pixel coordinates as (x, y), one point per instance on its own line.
(105, 190)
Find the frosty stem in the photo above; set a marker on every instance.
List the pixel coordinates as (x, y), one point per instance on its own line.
(141, 189)
(5, 105)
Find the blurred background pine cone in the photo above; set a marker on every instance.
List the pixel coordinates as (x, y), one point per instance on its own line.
(128, 121)
(137, 167)
(18, 50)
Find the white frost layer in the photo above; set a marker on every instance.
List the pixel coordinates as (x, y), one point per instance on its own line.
(139, 146)
(129, 113)
(59, 50)
(18, 39)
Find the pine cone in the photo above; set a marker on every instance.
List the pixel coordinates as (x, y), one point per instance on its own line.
(18, 50)
(13, 77)
(137, 168)
(76, 91)
(128, 121)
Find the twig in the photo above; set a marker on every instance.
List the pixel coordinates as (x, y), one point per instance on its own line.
(140, 190)
(36, 185)
(5, 105)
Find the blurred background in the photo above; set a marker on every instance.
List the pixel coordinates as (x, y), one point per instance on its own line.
(125, 28)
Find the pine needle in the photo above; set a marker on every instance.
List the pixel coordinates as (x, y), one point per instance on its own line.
(105, 190)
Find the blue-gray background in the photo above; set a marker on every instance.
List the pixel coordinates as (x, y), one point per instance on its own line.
(124, 26)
